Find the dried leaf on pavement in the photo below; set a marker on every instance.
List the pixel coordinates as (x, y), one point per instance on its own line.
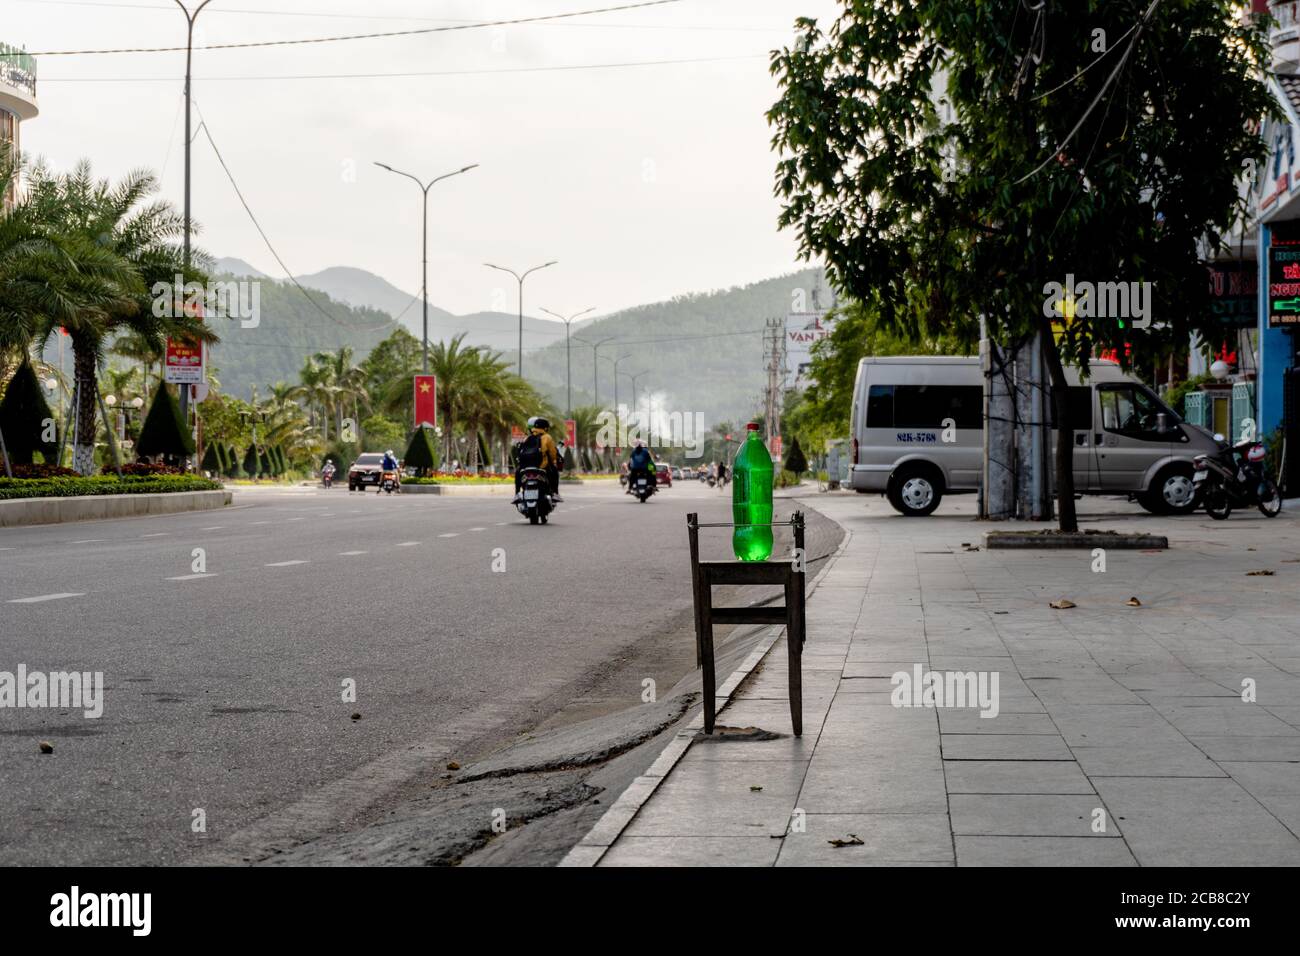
(1259, 574)
(853, 840)
(1062, 604)
(1133, 602)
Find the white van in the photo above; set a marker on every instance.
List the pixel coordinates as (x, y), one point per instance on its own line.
(1126, 441)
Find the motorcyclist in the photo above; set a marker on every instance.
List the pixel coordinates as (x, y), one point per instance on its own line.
(538, 451)
(328, 471)
(640, 463)
(390, 464)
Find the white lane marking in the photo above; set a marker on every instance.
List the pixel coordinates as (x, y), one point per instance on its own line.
(297, 519)
(8, 549)
(84, 541)
(478, 529)
(259, 522)
(328, 514)
(408, 544)
(284, 564)
(156, 534)
(452, 534)
(47, 597)
(215, 527)
(501, 524)
(350, 553)
(194, 577)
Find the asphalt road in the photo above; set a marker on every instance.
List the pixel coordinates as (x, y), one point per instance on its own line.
(224, 690)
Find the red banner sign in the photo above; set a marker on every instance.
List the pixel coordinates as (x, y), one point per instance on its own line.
(570, 432)
(184, 365)
(426, 401)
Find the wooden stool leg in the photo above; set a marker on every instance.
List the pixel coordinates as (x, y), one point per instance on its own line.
(706, 648)
(794, 642)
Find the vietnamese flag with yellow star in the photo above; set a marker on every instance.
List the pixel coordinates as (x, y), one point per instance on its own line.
(426, 401)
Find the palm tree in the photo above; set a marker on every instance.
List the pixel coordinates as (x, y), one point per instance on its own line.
(115, 248)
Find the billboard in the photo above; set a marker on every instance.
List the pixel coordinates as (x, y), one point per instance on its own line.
(802, 330)
(1284, 279)
(184, 363)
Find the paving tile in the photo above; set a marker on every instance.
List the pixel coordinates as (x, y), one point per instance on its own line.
(1015, 776)
(1170, 822)
(692, 851)
(1062, 815)
(1250, 748)
(714, 798)
(1159, 758)
(886, 838)
(834, 787)
(1005, 747)
(1041, 851)
(967, 720)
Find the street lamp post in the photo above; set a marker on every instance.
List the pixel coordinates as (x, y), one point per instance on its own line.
(618, 416)
(520, 279)
(189, 140)
(595, 367)
(634, 378)
(424, 280)
(568, 364)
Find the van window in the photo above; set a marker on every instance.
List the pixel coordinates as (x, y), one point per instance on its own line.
(1130, 410)
(926, 406)
(880, 406)
(1080, 399)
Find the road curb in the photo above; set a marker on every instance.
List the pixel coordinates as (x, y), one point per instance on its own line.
(592, 847)
(1029, 540)
(35, 511)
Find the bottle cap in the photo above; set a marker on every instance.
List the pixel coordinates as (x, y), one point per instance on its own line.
(752, 426)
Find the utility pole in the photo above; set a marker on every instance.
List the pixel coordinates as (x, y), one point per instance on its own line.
(424, 281)
(774, 350)
(568, 363)
(189, 141)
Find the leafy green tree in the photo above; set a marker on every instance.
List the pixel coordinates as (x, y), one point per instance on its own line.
(163, 434)
(24, 417)
(117, 247)
(949, 159)
(251, 469)
(233, 468)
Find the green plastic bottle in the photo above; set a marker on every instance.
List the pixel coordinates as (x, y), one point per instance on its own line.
(751, 499)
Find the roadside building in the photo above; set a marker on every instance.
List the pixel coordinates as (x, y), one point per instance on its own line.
(17, 98)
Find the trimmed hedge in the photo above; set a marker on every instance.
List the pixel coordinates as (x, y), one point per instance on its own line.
(11, 488)
(23, 413)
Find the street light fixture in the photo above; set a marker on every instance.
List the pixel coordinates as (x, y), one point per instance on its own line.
(520, 279)
(568, 365)
(424, 281)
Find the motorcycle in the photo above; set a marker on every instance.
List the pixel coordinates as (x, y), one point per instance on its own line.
(642, 488)
(388, 481)
(534, 498)
(327, 478)
(1234, 477)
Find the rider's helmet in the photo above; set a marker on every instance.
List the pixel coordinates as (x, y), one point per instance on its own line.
(537, 421)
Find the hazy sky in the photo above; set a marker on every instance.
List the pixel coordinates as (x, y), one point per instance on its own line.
(643, 181)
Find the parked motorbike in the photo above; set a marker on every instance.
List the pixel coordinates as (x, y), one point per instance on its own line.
(534, 499)
(642, 488)
(388, 482)
(1233, 477)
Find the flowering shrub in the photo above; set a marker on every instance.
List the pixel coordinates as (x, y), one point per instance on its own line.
(141, 468)
(42, 471)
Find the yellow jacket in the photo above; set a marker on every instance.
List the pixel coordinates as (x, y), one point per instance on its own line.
(550, 453)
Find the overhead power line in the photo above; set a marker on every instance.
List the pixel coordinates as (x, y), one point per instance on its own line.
(364, 36)
(368, 76)
(204, 128)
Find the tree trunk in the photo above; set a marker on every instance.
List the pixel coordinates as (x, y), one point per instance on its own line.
(1069, 520)
(83, 364)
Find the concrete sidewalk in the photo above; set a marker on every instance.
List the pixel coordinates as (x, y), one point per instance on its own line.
(1121, 736)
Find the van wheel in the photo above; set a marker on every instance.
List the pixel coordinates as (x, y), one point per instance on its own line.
(1172, 492)
(915, 490)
